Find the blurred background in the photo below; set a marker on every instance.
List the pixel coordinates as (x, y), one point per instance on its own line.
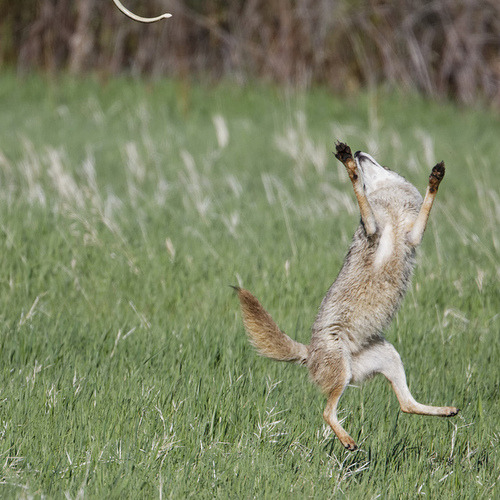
(144, 168)
(444, 49)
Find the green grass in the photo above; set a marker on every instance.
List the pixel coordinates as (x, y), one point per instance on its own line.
(125, 211)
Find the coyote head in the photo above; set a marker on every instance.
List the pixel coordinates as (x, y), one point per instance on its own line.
(374, 175)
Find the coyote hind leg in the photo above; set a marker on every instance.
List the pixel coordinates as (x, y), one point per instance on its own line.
(344, 155)
(392, 368)
(417, 231)
(330, 416)
(330, 368)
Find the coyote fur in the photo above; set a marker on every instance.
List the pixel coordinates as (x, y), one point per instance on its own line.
(347, 343)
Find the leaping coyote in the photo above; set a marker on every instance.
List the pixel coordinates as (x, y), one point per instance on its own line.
(347, 343)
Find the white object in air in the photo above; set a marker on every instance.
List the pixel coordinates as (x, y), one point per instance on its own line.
(140, 18)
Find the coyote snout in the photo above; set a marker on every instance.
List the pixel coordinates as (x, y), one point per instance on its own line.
(346, 342)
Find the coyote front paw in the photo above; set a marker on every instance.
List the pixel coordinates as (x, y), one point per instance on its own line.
(344, 155)
(436, 176)
(343, 152)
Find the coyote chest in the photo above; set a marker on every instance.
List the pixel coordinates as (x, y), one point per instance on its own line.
(385, 247)
(374, 278)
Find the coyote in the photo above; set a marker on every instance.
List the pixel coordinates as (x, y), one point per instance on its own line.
(346, 342)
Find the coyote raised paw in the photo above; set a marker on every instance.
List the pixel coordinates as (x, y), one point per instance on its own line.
(344, 155)
(436, 176)
(343, 152)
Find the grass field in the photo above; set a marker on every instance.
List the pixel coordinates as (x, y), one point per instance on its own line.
(126, 210)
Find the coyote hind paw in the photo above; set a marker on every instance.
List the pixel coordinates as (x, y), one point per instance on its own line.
(349, 443)
(452, 411)
(343, 152)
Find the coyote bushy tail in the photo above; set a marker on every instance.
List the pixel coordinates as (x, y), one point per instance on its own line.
(264, 333)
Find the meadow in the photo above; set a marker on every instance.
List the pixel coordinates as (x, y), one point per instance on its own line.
(126, 210)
